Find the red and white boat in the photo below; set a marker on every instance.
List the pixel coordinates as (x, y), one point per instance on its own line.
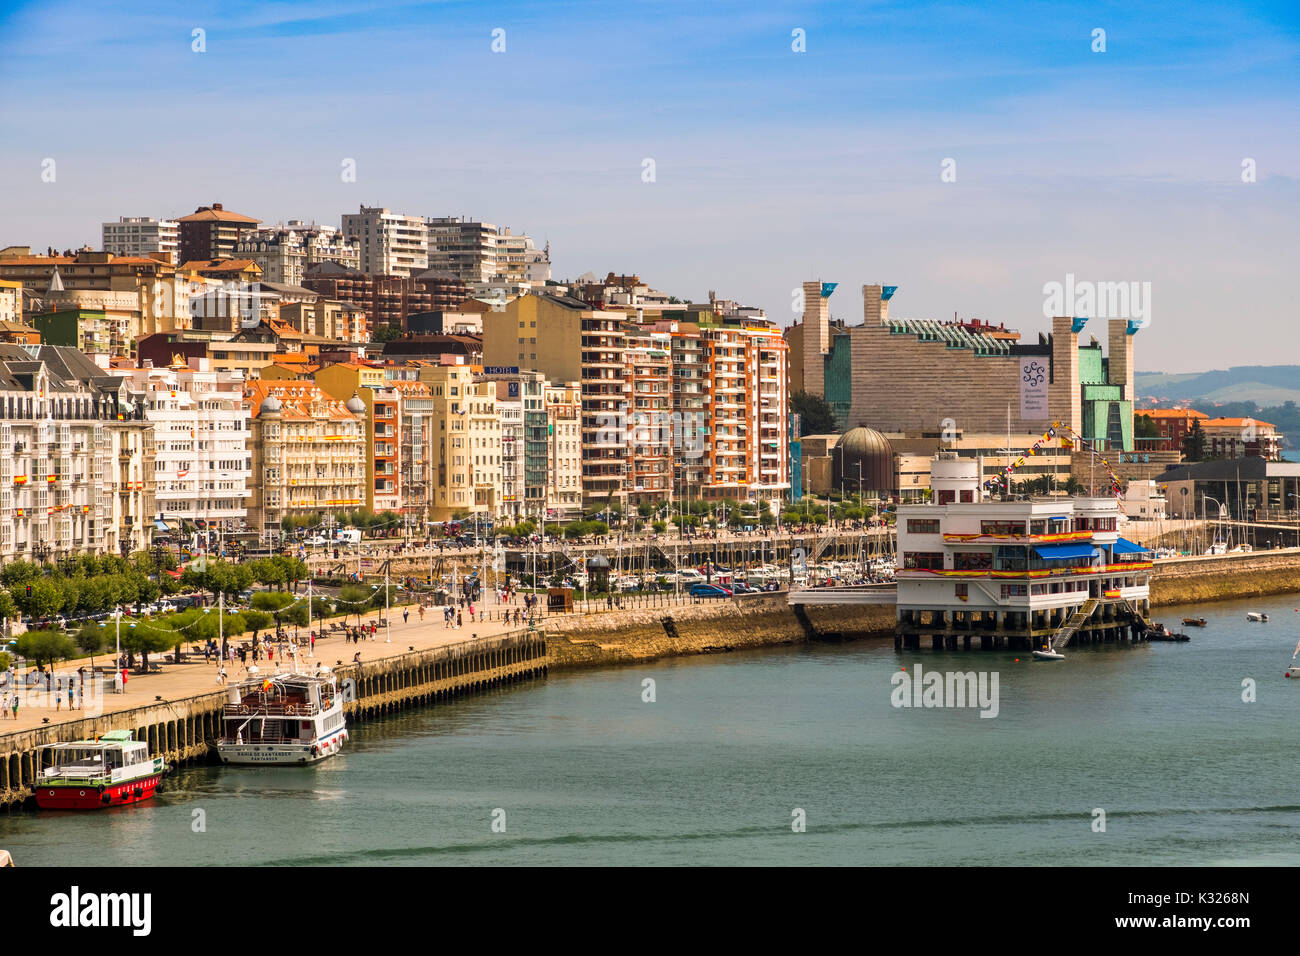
(112, 770)
(286, 718)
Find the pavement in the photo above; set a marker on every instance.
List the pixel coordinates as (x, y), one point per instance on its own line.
(195, 676)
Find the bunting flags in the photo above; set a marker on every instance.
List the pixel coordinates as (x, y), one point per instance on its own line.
(1069, 438)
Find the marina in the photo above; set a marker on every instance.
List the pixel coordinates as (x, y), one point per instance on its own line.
(587, 772)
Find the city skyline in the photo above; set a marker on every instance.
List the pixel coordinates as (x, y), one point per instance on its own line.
(771, 166)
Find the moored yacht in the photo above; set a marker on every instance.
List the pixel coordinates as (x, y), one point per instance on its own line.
(283, 718)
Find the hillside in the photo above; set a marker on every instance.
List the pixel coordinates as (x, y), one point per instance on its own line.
(1265, 385)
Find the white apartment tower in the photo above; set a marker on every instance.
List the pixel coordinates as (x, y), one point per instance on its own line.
(391, 244)
(141, 236)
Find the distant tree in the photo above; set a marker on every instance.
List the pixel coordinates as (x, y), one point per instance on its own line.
(1194, 442)
(815, 414)
(1144, 426)
(385, 333)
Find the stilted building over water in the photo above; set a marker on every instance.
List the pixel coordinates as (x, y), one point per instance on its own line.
(1015, 573)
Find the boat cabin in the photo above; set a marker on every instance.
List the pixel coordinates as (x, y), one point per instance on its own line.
(107, 758)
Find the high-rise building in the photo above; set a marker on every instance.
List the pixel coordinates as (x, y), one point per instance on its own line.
(566, 340)
(141, 236)
(390, 244)
(466, 449)
(479, 253)
(212, 232)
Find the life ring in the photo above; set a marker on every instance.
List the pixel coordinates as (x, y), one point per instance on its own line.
(291, 710)
(243, 708)
(101, 788)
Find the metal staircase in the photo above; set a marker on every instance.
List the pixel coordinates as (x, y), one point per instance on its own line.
(1072, 625)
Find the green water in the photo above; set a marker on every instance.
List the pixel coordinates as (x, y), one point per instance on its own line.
(586, 772)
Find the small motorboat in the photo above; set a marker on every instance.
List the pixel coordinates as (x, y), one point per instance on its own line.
(1193, 622)
(1047, 654)
(1162, 633)
(1256, 616)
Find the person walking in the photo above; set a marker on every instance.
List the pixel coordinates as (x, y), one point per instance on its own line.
(459, 620)
(14, 704)
(471, 612)
(221, 676)
(406, 615)
(421, 611)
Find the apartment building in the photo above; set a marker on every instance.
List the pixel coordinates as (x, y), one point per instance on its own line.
(414, 435)
(309, 453)
(212, 232)
(567, 341)
(386, 300)
(390, 244)
(327, 318)
(202, 463)
(563, 403)
(648, 427)
(141, 236)
(465, 439)
(285, 251)
(381, 405)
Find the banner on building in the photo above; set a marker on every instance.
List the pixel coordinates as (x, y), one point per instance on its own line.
(1033, 389)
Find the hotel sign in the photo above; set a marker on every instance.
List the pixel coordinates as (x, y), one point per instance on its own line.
(501, 370)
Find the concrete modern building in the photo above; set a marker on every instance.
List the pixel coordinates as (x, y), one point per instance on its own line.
(391, 244)
(1239, 489)
(483, 254)
(896, 374)
(563, 403)
(141, 236)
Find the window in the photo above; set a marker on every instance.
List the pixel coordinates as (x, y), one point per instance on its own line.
(946, 496)
(923, 525)
(923, 560)
(972, 560)
(1002, 527)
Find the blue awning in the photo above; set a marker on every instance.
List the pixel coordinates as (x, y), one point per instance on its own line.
(1125, 546)
(1053, 552)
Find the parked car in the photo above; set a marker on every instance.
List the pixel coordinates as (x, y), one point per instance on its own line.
(709, 591)
(316, 541)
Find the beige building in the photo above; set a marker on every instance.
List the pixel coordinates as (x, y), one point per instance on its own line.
(328, 319)
(465, 438)
(564, 451)
(309, 454)
(566, 340)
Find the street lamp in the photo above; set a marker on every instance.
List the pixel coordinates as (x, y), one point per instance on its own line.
(1205, 513)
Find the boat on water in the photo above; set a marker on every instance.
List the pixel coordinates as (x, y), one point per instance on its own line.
(1162, 633)
(283, 718)
(113, 770)
(1194, 622)
(1047, 654)
(1256, 616)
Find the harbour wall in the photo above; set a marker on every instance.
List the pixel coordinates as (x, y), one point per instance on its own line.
(711, 626)
(184, 730)
(1225, 577)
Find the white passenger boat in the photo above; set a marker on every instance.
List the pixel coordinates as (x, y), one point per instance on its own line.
(1256, 616)
(284, 718)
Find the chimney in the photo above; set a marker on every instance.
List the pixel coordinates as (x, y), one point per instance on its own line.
(217, 205)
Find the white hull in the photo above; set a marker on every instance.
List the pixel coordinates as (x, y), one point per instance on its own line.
(1048, 656)
(281, 753)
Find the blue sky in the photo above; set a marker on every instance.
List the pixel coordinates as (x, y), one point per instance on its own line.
(771, 166)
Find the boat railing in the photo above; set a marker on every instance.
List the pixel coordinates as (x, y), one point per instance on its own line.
(272, 710)
(253, 741)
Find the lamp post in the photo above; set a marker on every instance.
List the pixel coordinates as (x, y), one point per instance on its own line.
(1205, 513)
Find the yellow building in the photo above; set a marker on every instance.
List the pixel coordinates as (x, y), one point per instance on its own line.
(465, 439)
(309, 454)
(382, 404)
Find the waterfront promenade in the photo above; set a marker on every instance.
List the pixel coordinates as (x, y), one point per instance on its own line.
(195, 676)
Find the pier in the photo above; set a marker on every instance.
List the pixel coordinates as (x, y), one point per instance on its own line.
(181, 728)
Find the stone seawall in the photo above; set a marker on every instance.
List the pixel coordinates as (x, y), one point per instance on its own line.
(711, 626)
(1225, 577)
